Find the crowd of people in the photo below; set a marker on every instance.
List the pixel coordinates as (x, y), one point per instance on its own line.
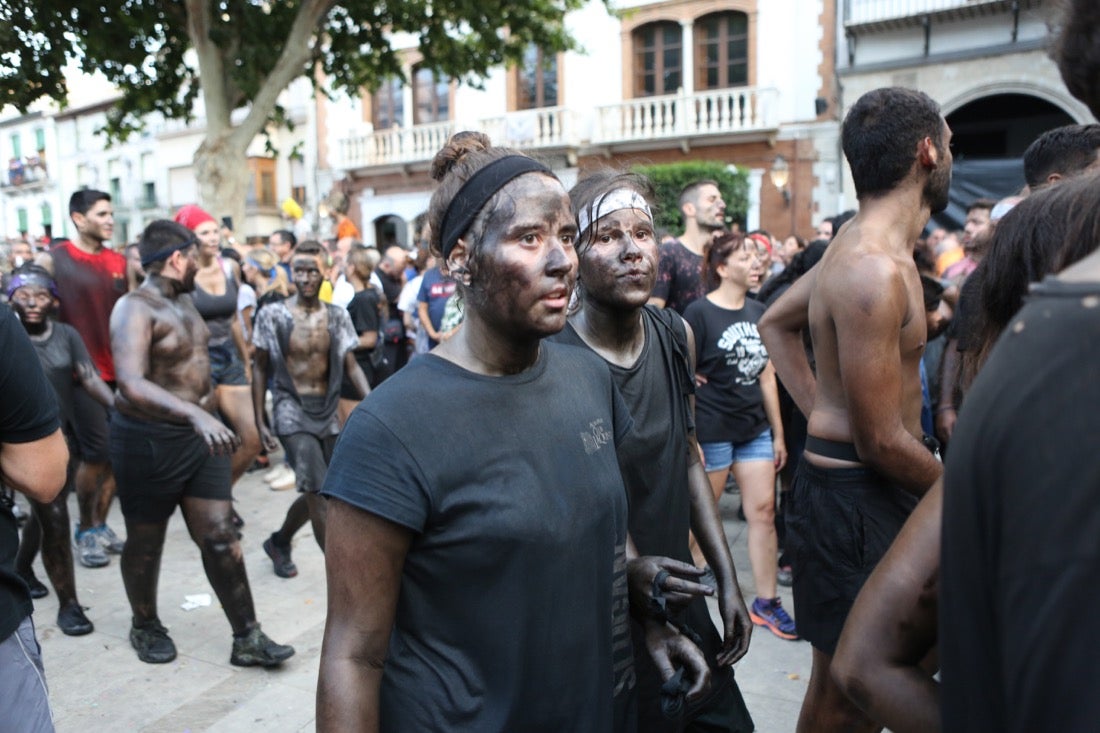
(536, 550)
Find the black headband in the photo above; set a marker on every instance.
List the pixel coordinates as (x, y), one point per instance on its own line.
(477, 191)
(166, 253)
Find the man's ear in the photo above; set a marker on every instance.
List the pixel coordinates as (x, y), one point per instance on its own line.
(688, 210)
(927, 153)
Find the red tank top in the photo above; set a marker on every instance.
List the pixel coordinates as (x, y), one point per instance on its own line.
(89, 285)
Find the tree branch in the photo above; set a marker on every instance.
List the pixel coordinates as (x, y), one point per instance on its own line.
(291, 64)
(211, 67)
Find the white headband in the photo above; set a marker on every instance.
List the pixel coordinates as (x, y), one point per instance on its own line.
(617, 200)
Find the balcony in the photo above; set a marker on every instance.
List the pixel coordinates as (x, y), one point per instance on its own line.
(677, 117)
(548, 127)
(884, 14)
(684, 116)
(28, 172)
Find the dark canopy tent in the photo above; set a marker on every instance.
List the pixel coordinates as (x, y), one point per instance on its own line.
(975, 179)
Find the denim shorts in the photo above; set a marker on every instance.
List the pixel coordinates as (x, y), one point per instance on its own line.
(717, 456)
(226, 367)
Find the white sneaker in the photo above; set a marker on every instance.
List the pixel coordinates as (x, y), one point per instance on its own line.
(275, 472)
(282, 483)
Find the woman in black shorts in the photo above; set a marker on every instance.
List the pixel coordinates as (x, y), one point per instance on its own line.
(215, 298)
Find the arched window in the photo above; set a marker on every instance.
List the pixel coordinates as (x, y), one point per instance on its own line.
(658, 59)
(431, 96)
(721, 50)
(389, 105)
(537, 79)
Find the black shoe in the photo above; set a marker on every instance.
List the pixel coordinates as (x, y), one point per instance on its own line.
(38, 590)
(257, 649)
(72, 621)
(280, 556)
(152, 643)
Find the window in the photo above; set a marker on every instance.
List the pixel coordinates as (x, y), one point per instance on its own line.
(116, 191)
(262, 190)
(148, 178)
(16, 145)
(40, 139)
(149, 194)
(537, 79)
(21, 215)
(658, 59)
(298, 193)
(431, 97)
(47, 215)
(721, 51)
(389, 105)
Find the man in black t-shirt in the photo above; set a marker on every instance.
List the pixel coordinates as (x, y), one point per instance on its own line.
(33, 457)
(680, 265)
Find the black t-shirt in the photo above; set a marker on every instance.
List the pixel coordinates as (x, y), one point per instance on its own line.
(59, 354)
(679, 276)
(28, 413)
(512, 614)
(365, 317)
(1021, 527)
(654, 462)
(730, 353)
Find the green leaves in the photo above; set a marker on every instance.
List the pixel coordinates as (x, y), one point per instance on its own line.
(670, 179)
(142, 46)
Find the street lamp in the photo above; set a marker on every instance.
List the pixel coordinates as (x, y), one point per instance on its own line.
(781, 175)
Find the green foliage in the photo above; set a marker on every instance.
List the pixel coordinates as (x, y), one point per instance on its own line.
(141, 45)
(669, 179)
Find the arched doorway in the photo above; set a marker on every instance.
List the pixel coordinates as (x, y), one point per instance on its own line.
(989, 137)
(389, 230)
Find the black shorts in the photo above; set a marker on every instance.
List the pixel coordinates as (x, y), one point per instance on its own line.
(89, 427)
(156, 464)
(309, 456)
(840, 522)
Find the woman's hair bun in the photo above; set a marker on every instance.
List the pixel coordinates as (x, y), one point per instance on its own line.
(458, 147)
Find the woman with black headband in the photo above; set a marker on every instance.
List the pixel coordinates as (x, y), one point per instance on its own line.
(476, 547)
(650, 352)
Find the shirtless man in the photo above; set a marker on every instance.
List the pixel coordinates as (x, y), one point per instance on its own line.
(306, 346)
(169, 450)
(865, 463)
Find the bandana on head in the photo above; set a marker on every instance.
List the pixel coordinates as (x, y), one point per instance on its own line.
(617, 200)
(166, 253)
(35, 279)
(761, 239)
(191, 216)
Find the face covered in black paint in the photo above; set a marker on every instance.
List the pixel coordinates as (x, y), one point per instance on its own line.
(523, 270)
(618, 265)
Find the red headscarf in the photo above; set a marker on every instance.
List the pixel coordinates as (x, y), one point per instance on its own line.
(191, 216)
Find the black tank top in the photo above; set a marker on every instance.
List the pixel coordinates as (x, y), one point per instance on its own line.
(218, 310)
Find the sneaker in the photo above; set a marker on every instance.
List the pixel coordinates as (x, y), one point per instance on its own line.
(784, 576)
(36, 587)
(110, 541)
(257, 649)
(772, 615)
(287, 481)
(152, 643)
(280, 556)
(275, 473)
(72, 621)
(88, 550)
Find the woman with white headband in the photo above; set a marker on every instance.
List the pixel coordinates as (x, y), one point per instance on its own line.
(650, 352)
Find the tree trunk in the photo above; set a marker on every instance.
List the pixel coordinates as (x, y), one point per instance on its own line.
(221, 168)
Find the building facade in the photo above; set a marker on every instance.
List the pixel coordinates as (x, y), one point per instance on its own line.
(745, 82)
(984, 61)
